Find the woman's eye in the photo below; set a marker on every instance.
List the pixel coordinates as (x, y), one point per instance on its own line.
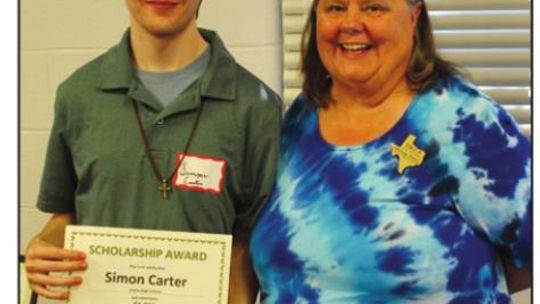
(335, 8)
(374, 8)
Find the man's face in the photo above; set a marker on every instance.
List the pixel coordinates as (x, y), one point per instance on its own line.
(162, 17)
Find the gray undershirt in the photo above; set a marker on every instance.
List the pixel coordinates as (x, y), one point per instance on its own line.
(166, 86)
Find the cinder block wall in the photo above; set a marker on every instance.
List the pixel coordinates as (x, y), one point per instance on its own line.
(57, 36)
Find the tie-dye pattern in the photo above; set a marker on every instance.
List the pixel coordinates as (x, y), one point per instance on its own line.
(343, 226)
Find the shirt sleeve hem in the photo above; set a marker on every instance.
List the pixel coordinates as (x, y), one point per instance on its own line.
(49, 207)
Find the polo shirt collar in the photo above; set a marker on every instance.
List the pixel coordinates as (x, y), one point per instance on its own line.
(219, 81)
(117, 70)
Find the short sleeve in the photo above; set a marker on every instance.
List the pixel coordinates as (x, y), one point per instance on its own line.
(58, 181)
(495, 192)
(260, 160)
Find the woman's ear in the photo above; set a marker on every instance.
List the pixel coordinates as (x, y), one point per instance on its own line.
(415, 12)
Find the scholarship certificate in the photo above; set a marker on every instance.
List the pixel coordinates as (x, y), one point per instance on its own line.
(134, 266)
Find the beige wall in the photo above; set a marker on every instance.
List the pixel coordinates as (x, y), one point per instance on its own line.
(57, 36)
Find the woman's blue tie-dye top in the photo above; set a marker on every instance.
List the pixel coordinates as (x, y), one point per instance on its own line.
(344, 226)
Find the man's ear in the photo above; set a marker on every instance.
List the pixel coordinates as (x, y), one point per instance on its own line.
(198, 7)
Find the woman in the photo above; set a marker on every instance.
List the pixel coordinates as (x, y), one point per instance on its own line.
(399, 182)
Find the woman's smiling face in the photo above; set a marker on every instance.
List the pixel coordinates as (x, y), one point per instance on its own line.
(365, 42)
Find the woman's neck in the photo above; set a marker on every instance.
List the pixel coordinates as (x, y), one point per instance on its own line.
(360, 118)
(360, 98)
(169, 53)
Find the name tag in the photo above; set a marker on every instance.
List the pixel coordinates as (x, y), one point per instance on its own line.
(200, 173)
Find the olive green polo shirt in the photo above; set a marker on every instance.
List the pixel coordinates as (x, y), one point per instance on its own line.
(96, 166)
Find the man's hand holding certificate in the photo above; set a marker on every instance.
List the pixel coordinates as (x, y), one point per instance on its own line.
(150, 267)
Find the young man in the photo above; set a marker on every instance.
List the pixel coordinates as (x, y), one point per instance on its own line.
(168, 96)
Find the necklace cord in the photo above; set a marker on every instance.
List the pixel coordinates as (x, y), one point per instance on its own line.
(147, 146)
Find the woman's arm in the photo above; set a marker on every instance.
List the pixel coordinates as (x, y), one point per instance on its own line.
(243, 285)
(517, 279)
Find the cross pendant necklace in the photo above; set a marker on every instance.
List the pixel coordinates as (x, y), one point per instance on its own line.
(164, 187)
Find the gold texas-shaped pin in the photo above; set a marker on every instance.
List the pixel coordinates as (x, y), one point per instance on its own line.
(408, 154)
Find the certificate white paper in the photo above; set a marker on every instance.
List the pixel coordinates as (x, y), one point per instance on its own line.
(134, 266)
